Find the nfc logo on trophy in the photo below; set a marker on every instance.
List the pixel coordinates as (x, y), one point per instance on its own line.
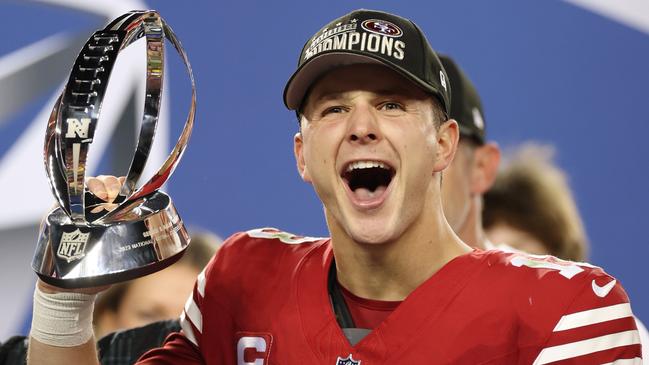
(72, 245)
(77, 128)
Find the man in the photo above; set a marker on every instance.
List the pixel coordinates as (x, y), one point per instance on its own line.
(475, 165)
(393, 283)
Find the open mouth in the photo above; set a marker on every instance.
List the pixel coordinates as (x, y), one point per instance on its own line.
(368, 180)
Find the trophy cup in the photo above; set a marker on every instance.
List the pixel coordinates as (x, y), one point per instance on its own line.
(78, 246)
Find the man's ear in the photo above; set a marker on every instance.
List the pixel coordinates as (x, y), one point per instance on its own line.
(448, 137)
(486, 160)
(298, 150)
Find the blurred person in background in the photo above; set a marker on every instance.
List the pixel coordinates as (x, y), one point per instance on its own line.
(133, 317)
(531, 208)
(476, 161)
(156, 297)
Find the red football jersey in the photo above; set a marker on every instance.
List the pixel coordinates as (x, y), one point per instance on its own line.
(263, 300)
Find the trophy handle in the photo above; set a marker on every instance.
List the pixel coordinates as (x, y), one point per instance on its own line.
(155, 62)
(151, 111)
(76, 115)
(51, 158)
(155, 43)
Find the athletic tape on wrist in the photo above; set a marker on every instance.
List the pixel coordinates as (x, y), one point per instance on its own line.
(62, 319)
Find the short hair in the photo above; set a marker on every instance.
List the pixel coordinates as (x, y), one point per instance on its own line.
(532, 194)
(439, 114)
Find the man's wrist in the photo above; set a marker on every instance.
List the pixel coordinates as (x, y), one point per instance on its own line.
(62, 319)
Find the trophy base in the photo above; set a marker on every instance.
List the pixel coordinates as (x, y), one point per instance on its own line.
(138, 239)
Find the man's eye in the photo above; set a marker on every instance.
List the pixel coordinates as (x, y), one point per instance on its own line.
(391, 106)
(333, 109)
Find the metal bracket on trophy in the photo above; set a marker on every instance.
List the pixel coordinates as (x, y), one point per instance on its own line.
(144, 233)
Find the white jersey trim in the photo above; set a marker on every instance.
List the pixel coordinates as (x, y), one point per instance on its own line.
(634, 361)
(594, 316)
(200, 283)
(584, 347)
(187, 329)
(194, 314)
(644, 339)
(284, 237)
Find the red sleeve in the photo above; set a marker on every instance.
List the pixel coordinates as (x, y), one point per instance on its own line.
(184, 347)
(598, 327)
(177, 350)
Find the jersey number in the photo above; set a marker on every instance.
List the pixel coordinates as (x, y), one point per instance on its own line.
(273, 233)
(566, 269)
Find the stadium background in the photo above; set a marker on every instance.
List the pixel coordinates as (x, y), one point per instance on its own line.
(571, 73)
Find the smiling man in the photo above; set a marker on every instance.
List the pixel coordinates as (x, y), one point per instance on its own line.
(393, 284)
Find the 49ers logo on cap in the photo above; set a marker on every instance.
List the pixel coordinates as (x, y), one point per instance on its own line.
(382, 27)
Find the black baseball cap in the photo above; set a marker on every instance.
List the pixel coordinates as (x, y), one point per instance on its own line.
(466, 107)
(369, 37)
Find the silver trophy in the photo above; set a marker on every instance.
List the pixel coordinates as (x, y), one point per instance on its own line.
(78, 245)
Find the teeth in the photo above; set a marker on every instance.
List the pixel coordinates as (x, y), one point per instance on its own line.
(366, 165)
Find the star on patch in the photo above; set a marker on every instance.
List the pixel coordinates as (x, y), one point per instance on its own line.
(349, 360)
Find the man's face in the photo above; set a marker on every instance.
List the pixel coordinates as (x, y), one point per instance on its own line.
(370, 145)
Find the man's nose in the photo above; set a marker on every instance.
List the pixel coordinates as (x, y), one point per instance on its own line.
(363, 126)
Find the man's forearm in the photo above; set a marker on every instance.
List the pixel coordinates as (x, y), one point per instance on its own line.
(42, 354)
(62, 327)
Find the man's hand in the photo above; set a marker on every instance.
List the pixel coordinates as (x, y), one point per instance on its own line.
(62, 326)
(105, 188)
(51, 289)
(63, 317)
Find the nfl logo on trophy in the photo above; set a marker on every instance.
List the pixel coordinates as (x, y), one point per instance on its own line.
(72, 246)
